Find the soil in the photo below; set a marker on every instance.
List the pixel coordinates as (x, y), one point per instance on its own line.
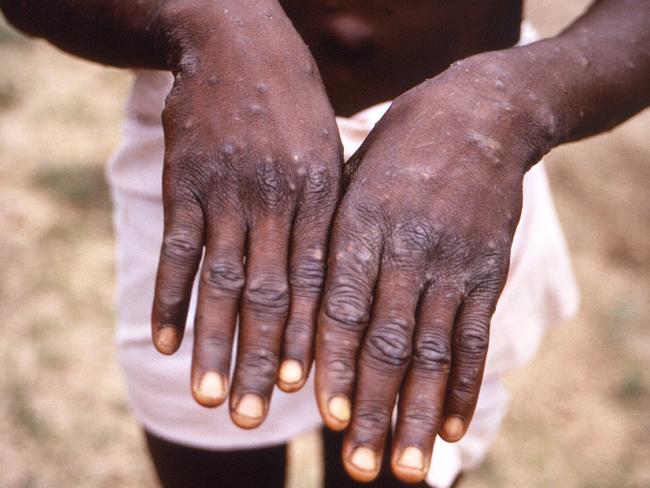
(579, 414)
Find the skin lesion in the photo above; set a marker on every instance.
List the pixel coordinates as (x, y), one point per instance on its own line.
(223, 278)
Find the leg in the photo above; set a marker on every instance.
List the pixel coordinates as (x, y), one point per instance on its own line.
(180, 466)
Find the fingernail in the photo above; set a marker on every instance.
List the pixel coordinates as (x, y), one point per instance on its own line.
(167, 339)
(412, 458)
(290, 371)
(364, 459)
(453, 428)
(251, 406)
(339, 408)
(212, 388)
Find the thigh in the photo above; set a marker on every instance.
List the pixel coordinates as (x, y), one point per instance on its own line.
(336, 476)
(182, 466)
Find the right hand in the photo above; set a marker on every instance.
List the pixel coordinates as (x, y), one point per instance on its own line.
(252, 165)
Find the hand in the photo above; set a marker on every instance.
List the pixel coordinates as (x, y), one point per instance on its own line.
(419, 255)
(252, 166)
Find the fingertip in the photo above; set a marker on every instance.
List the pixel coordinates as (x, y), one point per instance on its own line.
(249, 411)
(291, 376)
(411, 465)
(453, 428)
(337, 412)
(167, 339)
(363, 464)
(211, 390)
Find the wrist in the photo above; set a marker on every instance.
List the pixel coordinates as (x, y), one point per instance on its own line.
(527, 97)
(197, 32)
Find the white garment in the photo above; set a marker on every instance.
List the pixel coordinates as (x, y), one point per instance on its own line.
(540, 291)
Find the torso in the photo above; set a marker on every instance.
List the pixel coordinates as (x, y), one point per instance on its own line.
(369, 51)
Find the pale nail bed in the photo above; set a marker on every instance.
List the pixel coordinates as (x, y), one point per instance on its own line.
(339, 408)
(412, 458)
(167, 338)
(251, 406)
(212, 387)
(290, 371)
(364, 458)
(453, 428)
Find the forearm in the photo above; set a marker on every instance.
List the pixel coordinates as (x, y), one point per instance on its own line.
(153, 34)
(595, 74)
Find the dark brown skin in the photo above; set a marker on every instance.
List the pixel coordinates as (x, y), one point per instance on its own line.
(420, 245)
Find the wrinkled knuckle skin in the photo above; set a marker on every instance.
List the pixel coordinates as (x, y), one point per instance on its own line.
(472, 343)
(491, 272)
(169, 300)
(432, 352)
(347, 306)
(298, 332)
(180, 247)
(340, 368)
(270, 183)
(389, 343)
(464, 391)
(267, 295)
(411, 243)
(421, 418)
(319, 181)
(223, 279)
(416, 234)
(368, 214)
(370, 420)
(188, 169)
(258, 365)
(209, 345)
(307, 276)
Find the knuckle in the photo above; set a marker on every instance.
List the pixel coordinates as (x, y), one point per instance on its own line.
(432, 352)
(472, 342)
(390, 343)
(368, 214)
(223, 278)
(181, 247)
(186, 164)
(415, 234)
(347, 305)
(259, 363)
(456, 251)
(211, 344)
(298, 332)
(423, 417)
(464, 389)
(319, 180)
(267, 294)
(492, 270)
(308, 273)
(371, 418)
(412, 241)
(340, 369)
(270, 182)
(168, 300)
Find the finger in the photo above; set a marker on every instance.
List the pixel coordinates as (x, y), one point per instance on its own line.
(383, 360)
(264, 309)
(180, 255)
(422, 395)
(307, 272)
(343, 316)
(469, 350)
(220, 286)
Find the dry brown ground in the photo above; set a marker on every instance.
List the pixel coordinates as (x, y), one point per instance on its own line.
(579, 414)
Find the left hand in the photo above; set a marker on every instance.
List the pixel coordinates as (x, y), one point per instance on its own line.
(419, 255)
